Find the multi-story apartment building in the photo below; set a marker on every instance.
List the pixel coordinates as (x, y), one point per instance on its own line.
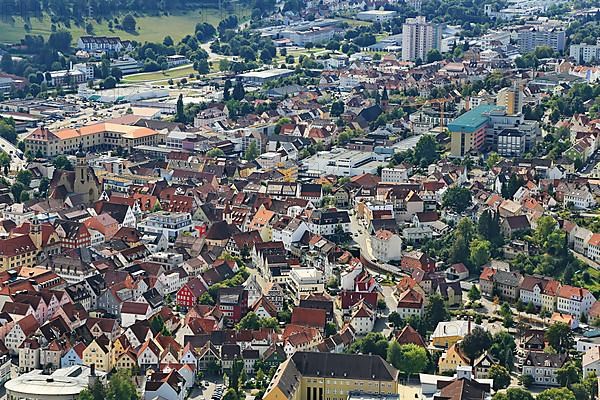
(419, 37)
(530, 38)
(585, 53)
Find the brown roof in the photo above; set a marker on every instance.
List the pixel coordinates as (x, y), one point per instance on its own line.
(131, 307)
(409, 335)
(315, 318)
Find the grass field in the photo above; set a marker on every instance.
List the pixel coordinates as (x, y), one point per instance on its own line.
(176, 73)
(150, 28)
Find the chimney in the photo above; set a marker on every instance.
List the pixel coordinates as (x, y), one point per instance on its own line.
(469, 325)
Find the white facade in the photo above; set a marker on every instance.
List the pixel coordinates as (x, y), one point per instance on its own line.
(305, 281)
(419, 37)
(386, 247)
(585, 53)
(172, 224)
(574, 301)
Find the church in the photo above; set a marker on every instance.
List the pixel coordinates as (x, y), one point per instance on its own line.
(80, 186)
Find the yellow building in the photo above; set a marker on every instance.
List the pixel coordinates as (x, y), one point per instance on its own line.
(97, 136)
(331, 376)
(448, 333)
(127, 360)
(511, 98)
(98, 353)
(453, 358)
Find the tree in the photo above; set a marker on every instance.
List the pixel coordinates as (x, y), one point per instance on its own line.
(560, 337)
(180, 114)
(395, 319)
(250, 321)
(24, 176)
(530, 308)
(238, 91)
(580, 391)
(129, 23)
(556, 394)
(457, 198)
(513, 394)
(60, 41)
(16, 189)
(488, 226)
(6, 63)
(235, 374)
(7, 130)
(426, 150)
(231, 394)
(434, 55)
(206, 299)
(474, 293)
(414, 359)
(436, 311)
(500, 375)
(226, 90)
(475, 343)
(394, 354)
(215, 152)
(62, 162)
(5, 162)
(109, 83)
(568, 374)
(337, 108)
(492, 159)
(480, 252)
(117, 73)
(251, 152)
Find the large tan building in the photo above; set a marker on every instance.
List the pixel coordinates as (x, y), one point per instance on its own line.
(331, 376)
(89, 138)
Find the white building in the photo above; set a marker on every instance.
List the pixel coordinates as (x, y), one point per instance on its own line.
(172, 224)
(394, 175)
(585, 53)
(591, 361)
(419, 37)
(305, 281)
(376, 15)
(328, 222)
(580, 198)
(386, 246)
(511, 143)
(530, 38)
(574, 301)
(62, 384)
(341, 162)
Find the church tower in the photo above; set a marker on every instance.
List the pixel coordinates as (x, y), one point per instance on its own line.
(85, 182)
(35, 232)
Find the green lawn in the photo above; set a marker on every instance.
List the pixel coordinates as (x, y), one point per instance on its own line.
(150, 28)
(158, 75)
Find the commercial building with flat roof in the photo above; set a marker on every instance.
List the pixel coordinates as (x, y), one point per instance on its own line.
(467, 132)
(260, 77)
(376, 15)
(62, 384)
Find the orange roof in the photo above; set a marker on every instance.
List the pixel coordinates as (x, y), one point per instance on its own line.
(126, 131)
(594, 240)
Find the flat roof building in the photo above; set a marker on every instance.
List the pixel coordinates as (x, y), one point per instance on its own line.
(376, 15)
(467, 132)
(62, 384)
(260, 77)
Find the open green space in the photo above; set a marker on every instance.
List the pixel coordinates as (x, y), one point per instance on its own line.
(149, 28)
